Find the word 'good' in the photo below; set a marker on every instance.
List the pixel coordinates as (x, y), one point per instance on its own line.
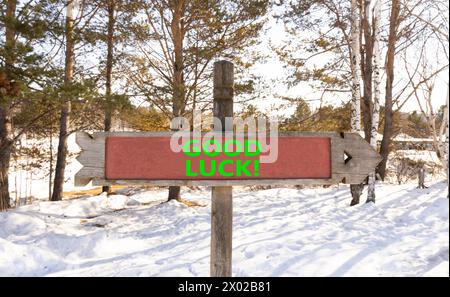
(224, 167)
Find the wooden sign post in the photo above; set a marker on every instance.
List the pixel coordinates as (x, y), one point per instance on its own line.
(146, 158)
(222, 196)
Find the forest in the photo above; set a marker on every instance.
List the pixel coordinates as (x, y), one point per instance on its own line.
(374, 67)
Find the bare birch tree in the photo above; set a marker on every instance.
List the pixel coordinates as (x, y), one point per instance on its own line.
(423, 74)
(376, 78)
(440, 132)
(356, 190)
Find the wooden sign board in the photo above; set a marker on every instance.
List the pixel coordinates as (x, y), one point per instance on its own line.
(135, 158)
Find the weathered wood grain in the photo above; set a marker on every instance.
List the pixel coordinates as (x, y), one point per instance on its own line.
(222, 197)
(221, 231)
(363, 160)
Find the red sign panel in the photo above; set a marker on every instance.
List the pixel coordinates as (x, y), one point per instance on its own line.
(151, 158)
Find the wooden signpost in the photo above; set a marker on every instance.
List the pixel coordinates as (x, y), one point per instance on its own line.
(304, 158)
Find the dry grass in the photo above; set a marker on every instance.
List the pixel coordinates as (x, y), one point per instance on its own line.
(190, 203)
(91, 192)
(78, 194)
(70, 195)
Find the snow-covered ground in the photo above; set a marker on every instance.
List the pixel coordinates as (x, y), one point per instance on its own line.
(276, 232)
(29, 177)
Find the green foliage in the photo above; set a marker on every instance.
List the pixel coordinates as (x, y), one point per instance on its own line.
(249, 110)
(415, 125)
(325, 118)
(35, 23)
(145, 118)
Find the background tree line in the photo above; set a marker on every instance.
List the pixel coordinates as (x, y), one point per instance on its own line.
(69, 65)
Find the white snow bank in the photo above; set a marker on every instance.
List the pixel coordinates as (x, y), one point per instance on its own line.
(277, 232)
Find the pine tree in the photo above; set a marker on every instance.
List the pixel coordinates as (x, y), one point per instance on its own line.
(66, 104)
(8, 89)
(178, 48)
(78, 94)
(25, 30)
(111, 9)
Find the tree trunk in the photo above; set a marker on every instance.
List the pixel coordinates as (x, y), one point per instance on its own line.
(109, 66)
(388, 123)
(65, 108)
(367, 69)
(50, 167)
(421, 178)
(178, 32)
(7, 91)
(5, 157)
(355, 190)
(446, 132)
(440, 138)
(376, 93)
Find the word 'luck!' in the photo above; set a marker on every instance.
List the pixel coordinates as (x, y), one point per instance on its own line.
(229, 158)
